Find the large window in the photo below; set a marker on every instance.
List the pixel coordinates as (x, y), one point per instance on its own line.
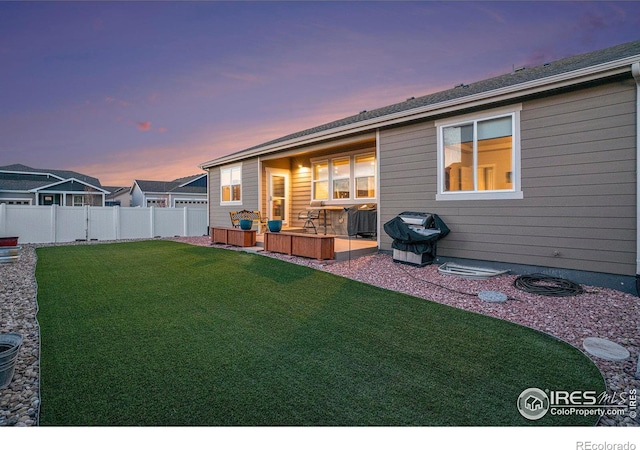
(479, 158)
(365, 176)
(341, 175)
(347, 177)
(321, 180)
(231, 185)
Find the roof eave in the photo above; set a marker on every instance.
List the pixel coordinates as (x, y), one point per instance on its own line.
(40, 174)
(510, 92)
(66, 181)
(192, 180)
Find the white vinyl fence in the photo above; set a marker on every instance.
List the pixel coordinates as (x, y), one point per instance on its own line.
(49, 224)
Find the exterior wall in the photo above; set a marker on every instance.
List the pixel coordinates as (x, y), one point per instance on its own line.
(137, 197)
(301, 188)
(219, 214)
(10, 196)
(124, 199)
(578, 180)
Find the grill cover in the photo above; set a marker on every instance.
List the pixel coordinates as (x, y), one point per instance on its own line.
(420, 236)
(361, 221)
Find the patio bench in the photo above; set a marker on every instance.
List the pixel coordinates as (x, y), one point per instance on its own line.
(255, 216)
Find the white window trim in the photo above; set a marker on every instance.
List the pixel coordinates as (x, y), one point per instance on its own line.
(231, 202)
(352, 178)
(516, 192)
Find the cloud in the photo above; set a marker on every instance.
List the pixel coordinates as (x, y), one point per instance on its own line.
(112, 100)
(144, 126)
(162, 130)
(151, 163)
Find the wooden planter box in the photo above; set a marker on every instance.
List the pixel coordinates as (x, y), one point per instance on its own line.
(233, 236)
(297, 244)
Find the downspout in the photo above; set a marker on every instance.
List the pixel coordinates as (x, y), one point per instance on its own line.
(378, 193)
(208, 201)
(635, 71)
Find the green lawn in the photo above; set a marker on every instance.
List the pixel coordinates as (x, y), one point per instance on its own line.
(160, 333)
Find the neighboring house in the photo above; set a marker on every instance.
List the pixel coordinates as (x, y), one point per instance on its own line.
(531, 170)
(118, 196)
(184, 192)
(22, 185)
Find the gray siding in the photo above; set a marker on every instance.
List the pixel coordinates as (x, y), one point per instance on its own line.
(218, 214)
(578, 179)
(300, 188)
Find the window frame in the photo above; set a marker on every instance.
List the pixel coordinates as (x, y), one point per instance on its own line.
(516, 191)
(315, 181)
(353, 198)
(355, 177)
(82, 200)
(230, 168)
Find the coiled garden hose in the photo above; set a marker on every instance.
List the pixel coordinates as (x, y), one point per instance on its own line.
(547, 285)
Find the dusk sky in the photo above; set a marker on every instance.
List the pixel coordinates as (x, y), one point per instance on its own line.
(150, 90)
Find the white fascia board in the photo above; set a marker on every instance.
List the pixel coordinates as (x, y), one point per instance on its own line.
(73, 180)
(510, 92)
(14, 191)
(192, 180)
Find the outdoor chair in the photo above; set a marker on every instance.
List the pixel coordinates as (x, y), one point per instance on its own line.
(309, 216)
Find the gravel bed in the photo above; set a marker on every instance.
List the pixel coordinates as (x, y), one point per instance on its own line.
(20, 401)
(599, 312)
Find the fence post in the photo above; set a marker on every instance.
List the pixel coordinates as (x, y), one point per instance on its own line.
(185, 222)
(152, 213)
(54, 214)
(3, 219)
(116, 221)
(87, 219)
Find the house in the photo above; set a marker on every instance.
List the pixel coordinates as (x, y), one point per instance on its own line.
(183, 192)
(23, 185)
(534, 170)
(118, 196)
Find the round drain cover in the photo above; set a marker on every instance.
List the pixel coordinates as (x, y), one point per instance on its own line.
(605, 349)
(492, 296)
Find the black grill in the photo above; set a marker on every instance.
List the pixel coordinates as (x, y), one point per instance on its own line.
(415, 236)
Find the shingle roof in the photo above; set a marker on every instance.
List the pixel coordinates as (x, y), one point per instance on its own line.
(171, 186)
(511, 79)
(30, 178)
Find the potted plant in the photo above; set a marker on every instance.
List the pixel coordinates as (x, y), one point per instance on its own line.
(246, 224)
(274, 225)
